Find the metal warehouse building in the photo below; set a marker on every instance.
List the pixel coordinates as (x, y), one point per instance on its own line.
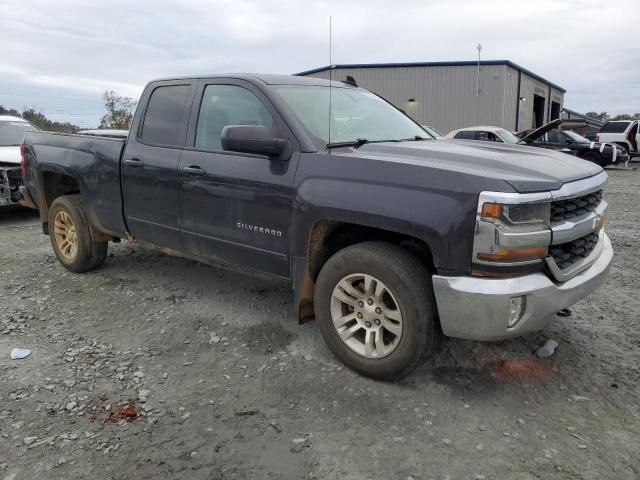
(450, 95)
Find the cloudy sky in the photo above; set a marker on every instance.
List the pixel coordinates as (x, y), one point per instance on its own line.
(59, 56)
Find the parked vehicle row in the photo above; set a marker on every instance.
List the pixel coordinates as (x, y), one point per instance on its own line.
(549, 136)
(389, 238)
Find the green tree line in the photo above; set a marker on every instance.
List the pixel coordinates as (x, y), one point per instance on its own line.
(40, 120)
(604, 116)
(119, 115)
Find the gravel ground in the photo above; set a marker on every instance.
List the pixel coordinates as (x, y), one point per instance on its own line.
(159, 367)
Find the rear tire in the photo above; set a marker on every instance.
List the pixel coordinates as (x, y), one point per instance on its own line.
(392, 324)
(70, 236)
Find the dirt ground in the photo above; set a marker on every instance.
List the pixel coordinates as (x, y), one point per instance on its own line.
(159, 367)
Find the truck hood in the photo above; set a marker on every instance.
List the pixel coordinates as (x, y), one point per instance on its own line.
(526, 169)
(10, 155)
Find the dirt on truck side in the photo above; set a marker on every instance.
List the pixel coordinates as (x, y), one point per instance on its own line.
(160, 367)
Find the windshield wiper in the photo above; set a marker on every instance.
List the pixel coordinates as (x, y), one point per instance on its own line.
(362, 141)
(417, 138)
(351, 143)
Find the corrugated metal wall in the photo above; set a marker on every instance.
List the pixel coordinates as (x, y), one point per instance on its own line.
(446, 95)
(528, 88)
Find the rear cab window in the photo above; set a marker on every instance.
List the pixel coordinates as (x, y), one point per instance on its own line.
(615, 127)
(164, 120)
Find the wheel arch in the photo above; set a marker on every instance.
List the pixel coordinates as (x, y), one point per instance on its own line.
(53, 185)
(325, 237)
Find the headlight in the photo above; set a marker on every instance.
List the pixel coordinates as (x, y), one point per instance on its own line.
(511, 231)
(517, 214)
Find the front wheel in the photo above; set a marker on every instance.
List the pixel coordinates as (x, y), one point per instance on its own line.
(376, 311)
(70, 236)
(594, 158)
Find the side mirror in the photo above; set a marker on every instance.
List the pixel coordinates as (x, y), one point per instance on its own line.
(252, 139)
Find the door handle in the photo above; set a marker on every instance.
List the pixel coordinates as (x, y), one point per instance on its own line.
(134, 162)
(194, 171)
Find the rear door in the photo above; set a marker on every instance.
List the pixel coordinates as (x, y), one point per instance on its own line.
(150, 178)
(235, 207)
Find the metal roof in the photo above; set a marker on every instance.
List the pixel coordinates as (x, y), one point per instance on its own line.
(572, 115)
(435, 64)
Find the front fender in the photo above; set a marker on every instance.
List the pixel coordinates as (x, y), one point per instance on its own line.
(443, 220)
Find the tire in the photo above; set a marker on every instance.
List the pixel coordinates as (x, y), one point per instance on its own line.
(624, 147)
(71, 236)
(408, 287)
(594, 158)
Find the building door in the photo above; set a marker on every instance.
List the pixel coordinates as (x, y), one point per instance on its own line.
(555, 110)
(538, 111)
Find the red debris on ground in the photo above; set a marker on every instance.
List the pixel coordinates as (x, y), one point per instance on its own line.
(533, 368)
(126, 411)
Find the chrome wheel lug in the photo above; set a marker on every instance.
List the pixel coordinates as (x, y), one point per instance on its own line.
(359, 315)
(369, 302)
(361, 304)
(377, 321)
(378, 310)
(368, 324)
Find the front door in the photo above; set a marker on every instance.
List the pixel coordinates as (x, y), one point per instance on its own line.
(150, 177)
(235, 207)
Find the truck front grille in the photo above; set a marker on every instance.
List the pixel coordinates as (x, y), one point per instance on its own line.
(566, 254)
(574, 207)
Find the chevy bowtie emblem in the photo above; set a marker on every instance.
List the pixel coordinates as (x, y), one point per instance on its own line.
(599, 223)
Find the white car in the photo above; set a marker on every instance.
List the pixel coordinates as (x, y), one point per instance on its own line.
(484, 133)
(12, 130)
(625, 133)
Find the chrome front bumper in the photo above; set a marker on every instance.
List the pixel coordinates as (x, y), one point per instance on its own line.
(479, 308)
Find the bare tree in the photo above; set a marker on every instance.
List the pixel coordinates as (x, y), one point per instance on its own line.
(119, 111)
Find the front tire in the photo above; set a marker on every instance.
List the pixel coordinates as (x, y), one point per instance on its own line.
(70, 236)
(376, 311)
(594, 158)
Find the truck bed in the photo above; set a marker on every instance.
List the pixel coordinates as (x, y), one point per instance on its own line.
(92, 162)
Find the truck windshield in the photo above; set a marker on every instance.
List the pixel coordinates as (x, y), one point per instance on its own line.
(12, 133)
(356, 115)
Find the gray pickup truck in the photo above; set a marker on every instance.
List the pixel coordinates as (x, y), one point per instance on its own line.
(389, 238)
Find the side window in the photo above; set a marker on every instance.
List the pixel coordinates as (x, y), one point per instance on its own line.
(224, 105)
(163, 119)
(487, 137)
(465, 135)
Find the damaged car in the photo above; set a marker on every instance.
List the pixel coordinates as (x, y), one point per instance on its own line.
(552, 137)
(12, 130)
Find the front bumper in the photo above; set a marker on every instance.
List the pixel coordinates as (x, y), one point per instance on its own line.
(479, 308)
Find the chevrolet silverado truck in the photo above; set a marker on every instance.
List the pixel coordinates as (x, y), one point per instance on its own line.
(390, 239)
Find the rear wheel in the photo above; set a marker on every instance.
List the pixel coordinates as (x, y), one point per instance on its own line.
(70, 236)
(375, 309)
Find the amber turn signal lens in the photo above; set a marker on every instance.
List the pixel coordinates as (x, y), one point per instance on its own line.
(515, 254)
(491, 210)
